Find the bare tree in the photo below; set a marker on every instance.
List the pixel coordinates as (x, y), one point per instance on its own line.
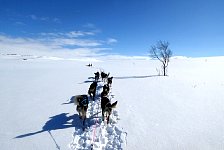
(161, 52)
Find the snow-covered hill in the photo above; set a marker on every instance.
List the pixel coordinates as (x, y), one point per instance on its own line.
(184, 110)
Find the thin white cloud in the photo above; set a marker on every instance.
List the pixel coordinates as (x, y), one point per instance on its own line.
(23, 46)
(79, 33)
(34, 17)
(57, 20)
(111, 41)
(76, 42)
(71, 34)
(72, 38)
(51, 34)
(20, 23)
(45, 45)
(44, 18)
(89, 25)
(75, 38)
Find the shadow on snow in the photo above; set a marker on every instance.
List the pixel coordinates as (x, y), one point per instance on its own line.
(61, 121)
(124, 77)
(136, 77)
(90, 80)
(70, 101)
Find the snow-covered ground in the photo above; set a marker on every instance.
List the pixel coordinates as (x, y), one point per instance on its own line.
(184, 110)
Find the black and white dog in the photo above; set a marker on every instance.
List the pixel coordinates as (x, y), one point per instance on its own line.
(104, 76)
(82, 105)
(109, 81)
(97, 76)
(92, 90)
(107, 108)
(106, 90)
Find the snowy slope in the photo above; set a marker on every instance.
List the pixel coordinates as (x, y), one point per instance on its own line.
(184, 110)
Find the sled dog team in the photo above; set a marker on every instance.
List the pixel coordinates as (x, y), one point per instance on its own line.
(82, 101)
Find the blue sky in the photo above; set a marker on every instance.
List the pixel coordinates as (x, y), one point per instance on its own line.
(127, 27)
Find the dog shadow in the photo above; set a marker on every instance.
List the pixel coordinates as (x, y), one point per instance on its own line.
(136, 77)
(70, 101)
(57, 122)
(90, 80)
(87, 81)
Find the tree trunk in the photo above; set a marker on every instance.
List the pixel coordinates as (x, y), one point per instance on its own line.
(164, 70)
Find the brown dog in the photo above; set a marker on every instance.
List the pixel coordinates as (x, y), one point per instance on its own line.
(82, 105)
(107, 108)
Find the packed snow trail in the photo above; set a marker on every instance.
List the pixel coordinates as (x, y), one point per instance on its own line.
(97, 134)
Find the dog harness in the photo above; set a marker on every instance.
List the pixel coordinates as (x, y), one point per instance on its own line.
(107, 106)
(84, 101)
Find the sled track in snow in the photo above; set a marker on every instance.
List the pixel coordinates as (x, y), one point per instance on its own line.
(97, 134)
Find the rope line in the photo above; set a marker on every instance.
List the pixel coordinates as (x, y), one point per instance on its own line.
(96, 122)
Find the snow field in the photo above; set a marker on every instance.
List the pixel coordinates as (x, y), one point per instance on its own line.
(181, 111)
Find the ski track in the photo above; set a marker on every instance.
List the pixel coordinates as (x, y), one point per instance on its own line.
(97, 134)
